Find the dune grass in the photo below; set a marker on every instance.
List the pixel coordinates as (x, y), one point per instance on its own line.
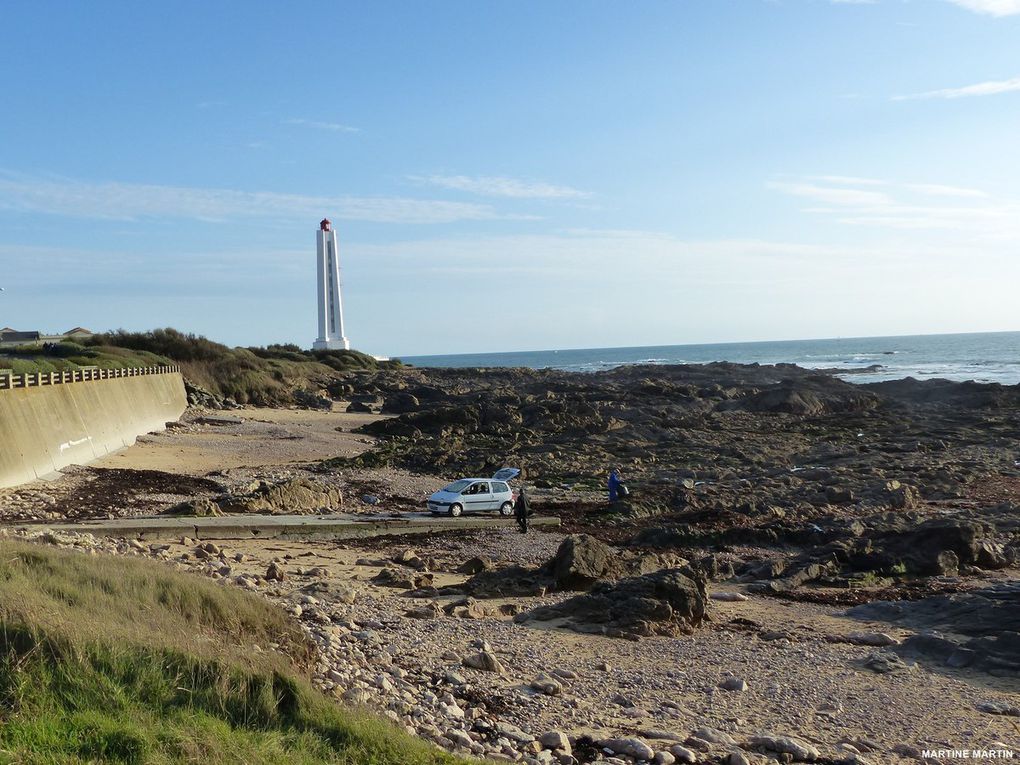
(262, 376)
(106, 659)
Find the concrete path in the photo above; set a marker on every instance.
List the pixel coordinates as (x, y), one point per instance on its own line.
(289, 526)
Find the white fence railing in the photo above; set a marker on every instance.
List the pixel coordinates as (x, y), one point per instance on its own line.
(32, 379)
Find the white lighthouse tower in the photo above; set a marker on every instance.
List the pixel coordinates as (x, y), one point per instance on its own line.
(331, 309)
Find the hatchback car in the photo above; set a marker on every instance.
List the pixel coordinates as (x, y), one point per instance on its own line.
(476, 495)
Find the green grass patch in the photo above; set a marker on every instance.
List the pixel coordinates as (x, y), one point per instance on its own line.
(116, 660)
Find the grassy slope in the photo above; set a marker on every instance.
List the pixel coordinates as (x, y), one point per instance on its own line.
(106, 659)
(264, 376)
(67, 356)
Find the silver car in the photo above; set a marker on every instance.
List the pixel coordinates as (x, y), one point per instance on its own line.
(476, 495)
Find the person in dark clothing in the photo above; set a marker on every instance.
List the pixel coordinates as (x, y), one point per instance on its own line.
(614, 485)
(522, 510)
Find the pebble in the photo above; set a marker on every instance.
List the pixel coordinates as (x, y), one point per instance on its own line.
(555, 739)
(736, 684)
(713, 736)
(875, 639)
(801, 751)
(683, 754)
(631, 747)
(485, 661)
(729, 597)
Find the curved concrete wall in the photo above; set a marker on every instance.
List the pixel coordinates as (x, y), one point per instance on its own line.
(46, 426)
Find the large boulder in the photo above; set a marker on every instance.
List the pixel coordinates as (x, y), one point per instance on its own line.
(297, 496)
(808, 396)
(937, 547)
(580, 562)
(667, 602)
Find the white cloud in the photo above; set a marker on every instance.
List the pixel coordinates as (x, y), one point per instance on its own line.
(990, 7)
(940, 190)
(498, 186)
(129, 201)
(836, 195)
(990, 88)
(910, 206)
(335, 127)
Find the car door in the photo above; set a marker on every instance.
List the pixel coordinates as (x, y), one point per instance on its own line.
(476, 497)
(481, 499)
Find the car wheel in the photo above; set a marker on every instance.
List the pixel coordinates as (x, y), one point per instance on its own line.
(507, 508)
(455, 510)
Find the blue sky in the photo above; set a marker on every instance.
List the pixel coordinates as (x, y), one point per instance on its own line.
(513, 175)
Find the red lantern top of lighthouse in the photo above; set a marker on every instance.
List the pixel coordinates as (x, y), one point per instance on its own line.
(325, 225)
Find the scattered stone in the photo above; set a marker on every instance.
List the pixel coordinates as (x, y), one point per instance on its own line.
(485, 661)
(298, 495)
(729, 597)
(630, 747)
(275, 573)
(799, 750)
(474, 566)
(683, 754)
(547, 685)
(886, 663)
(430, 610)
(555, 739)
(736, 684)
(876, 639)
(401, 579)
(668, 602)
(713, 736)
(200, 508)
(998, 708)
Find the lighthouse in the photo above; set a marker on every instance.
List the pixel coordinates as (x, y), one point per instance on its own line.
(331, 309)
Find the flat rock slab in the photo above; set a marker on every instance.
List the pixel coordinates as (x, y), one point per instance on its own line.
(338, 526)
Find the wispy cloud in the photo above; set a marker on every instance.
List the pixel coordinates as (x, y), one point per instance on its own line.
(836, 195)
(130, 201)
(499, 186)
(911, 206)
(933, 189)
(335, 127)
(990, 7)
(989, 88)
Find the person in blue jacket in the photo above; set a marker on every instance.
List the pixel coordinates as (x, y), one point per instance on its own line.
(614, 485)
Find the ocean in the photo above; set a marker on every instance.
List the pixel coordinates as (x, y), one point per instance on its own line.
(983, 357)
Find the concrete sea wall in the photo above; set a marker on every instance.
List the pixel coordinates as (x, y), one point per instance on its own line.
(49, 421)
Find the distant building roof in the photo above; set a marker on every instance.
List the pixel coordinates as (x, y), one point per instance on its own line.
(8, 329)
(79, 331)
(13, 336)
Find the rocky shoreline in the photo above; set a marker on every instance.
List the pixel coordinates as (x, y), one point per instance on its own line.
(807, 570)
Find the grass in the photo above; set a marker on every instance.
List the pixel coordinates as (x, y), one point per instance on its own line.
(264, 376)
(63, 357)
(117, 660)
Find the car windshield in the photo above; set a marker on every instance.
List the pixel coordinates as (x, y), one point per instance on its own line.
(457, 486)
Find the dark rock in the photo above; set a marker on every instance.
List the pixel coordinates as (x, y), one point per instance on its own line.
(580, 562)
(298, 495)
(400, 402)
(984, 624)
(474, 566)
(313, 399)
(402, 579)
(668, 602)
(199, 508)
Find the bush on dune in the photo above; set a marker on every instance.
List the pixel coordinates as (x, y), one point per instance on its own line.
(264, 376)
